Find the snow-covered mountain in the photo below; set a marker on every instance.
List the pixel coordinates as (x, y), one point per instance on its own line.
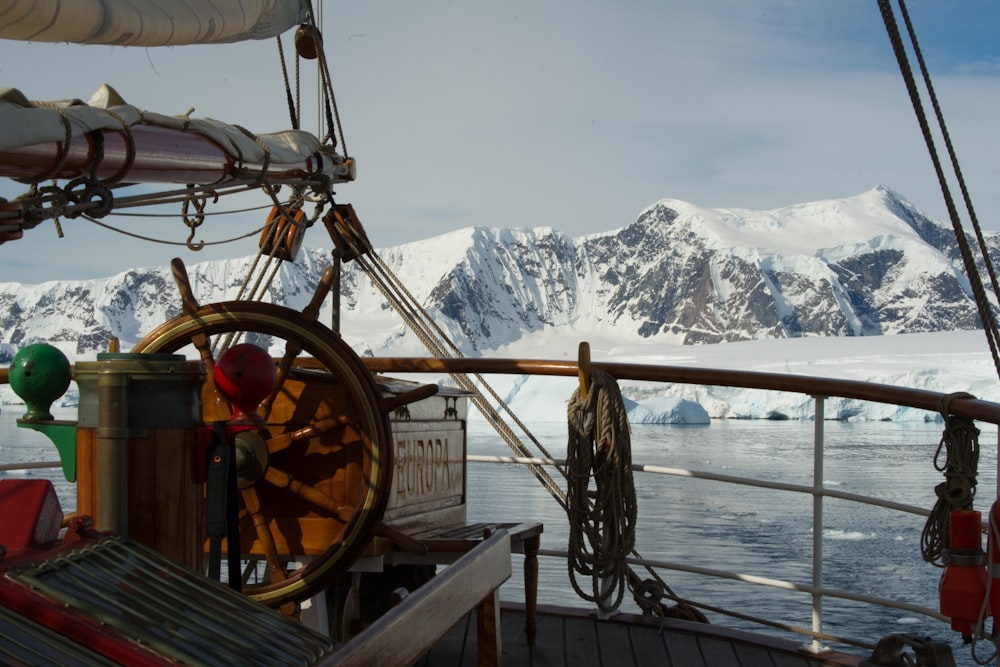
(803, 289)
(861, 266)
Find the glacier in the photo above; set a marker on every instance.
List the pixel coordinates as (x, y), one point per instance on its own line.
(864, 287)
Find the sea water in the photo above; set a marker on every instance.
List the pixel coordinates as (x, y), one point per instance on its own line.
(753, 531)
(763, 532)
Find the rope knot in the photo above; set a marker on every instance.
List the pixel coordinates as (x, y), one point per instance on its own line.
(960, 446)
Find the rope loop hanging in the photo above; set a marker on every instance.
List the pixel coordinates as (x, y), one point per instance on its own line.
(601, 516)
(960, 446)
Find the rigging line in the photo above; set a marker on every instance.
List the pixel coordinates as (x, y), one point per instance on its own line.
(164, 241)
(985, 311)
(260, 289)
(384, 280)
(178, 195)
(939, 115)
(458, 353)
(463, 381)
(231, 211)
(408, 309)
(326, 100)
(56, 198)
(298, 87)
(314, 18)
(272, 263)
(405, 297)
(362, 247)
(293, 115)
(779, 625)
(333, 121)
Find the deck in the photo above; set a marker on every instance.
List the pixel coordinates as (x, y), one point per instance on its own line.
(575, 638)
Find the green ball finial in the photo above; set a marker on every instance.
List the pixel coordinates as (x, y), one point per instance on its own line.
(39, 374)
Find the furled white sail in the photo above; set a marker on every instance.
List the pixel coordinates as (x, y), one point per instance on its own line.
(147, 22)
(28, 125)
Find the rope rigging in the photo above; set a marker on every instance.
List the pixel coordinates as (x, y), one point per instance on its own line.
(960, 444)
(93, 198)
(983, 305)
(438, 343)
(603, 516)
(612, 559)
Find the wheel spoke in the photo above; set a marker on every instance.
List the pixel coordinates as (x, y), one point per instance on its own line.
(326, 404)
(190, 306)
(293, 347)
(252, 503)
(285, 440)
(308, 492)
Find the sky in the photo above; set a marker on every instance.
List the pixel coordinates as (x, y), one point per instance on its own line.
(572, 114)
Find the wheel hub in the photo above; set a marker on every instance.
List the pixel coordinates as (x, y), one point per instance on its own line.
(251, 458)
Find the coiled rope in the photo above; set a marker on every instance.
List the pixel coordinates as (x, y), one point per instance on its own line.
(602, 519)
(960, 444)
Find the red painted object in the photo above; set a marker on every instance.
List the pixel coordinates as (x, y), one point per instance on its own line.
(244, 376)
(29, 533)
(962, 588)
(31, 515)
(994, 562)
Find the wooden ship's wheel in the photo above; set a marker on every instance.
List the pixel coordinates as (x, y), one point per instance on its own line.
(314, 470)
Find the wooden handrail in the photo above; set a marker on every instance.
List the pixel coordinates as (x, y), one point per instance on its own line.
(922, 399)
(802, 384)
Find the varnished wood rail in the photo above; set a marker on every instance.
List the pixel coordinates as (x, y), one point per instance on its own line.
(802, 384)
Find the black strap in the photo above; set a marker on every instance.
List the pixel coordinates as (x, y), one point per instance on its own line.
(222, 507)
(234, 565)
(216, 477)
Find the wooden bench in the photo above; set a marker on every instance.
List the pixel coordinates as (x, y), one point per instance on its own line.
(444, 545)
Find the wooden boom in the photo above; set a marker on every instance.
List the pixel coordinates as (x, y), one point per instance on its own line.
(149, 154)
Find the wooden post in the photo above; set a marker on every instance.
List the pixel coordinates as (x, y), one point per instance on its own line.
(531, 546)
(488, 638)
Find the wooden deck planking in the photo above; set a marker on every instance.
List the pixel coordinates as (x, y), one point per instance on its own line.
(651, 645)
(683, 649)
(614, 644)
(579, 640)
(717, 652)
(456, 648)
(548, 651)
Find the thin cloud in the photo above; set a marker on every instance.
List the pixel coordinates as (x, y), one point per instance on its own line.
(574, 115)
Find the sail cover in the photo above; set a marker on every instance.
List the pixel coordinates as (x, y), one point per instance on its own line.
(25, 124)
(147, 22)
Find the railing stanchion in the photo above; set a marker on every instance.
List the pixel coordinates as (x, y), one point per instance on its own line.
(817, 558)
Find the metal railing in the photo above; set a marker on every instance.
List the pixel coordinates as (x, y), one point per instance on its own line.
(818, 388)
(816, 589)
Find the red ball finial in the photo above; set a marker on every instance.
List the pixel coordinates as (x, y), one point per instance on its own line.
(244, 376)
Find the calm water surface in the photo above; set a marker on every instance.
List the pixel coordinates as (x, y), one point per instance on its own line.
(753, 531)
(764, 532)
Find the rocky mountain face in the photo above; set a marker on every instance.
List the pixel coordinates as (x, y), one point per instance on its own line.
(861, 266)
